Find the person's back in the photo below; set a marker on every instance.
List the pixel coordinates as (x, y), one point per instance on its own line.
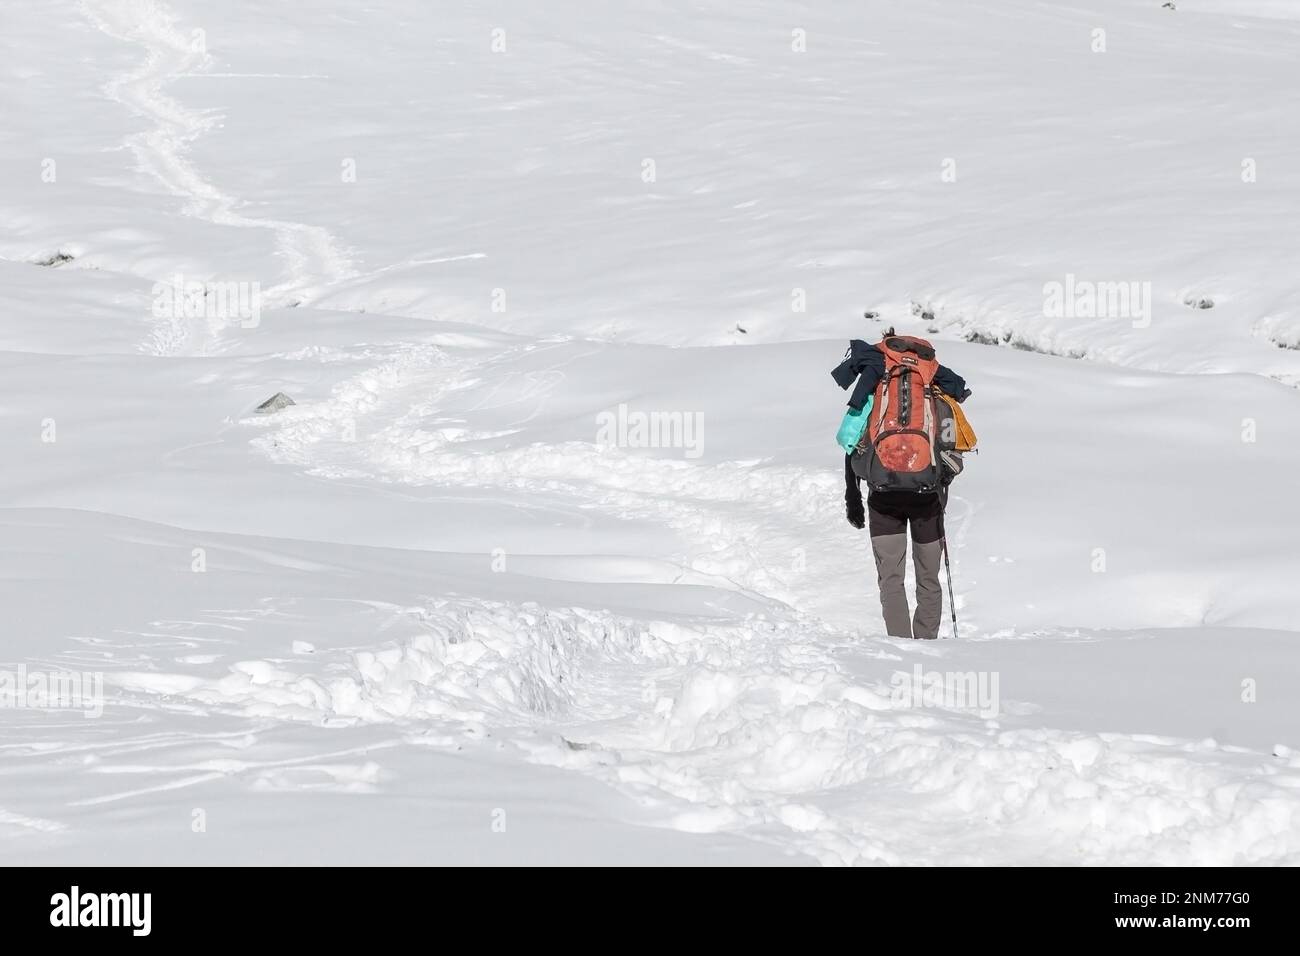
(901, 456)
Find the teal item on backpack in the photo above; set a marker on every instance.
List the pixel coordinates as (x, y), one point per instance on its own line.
(852, 425)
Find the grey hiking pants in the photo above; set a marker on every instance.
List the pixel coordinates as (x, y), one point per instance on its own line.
(890, 517)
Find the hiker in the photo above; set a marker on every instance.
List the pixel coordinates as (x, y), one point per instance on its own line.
(909, 450)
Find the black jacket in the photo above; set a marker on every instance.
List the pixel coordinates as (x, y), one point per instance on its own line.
(864, 362)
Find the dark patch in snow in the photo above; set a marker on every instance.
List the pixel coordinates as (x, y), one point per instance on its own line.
(1021, 345)
(984, 338)
(276, 402)
(56, 259)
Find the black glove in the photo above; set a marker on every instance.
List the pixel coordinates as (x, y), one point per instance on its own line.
(853, 509)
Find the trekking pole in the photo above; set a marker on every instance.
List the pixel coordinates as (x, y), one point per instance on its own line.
(943, 532)
(952, 597)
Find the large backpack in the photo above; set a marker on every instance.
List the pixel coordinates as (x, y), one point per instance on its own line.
(903, 445)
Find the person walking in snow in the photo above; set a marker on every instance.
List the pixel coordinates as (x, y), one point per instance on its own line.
(908, 451)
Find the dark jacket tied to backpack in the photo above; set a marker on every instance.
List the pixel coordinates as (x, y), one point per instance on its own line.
(865, 363)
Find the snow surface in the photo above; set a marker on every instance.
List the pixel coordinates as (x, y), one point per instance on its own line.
(426, 614)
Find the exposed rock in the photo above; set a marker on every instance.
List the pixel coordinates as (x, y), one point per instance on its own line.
(276, 402)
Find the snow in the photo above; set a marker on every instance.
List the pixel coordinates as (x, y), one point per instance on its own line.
(452, 606)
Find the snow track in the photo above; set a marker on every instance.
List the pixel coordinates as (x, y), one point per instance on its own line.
(310, 254)
(747, 525)
(755, 727)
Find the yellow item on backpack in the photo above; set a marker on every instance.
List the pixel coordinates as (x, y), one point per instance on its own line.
(965, 436)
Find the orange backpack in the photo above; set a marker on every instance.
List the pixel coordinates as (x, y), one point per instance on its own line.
(900, 448)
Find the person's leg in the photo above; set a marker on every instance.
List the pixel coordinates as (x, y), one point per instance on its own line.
(926, 559)
(889, 545)
(927, 555)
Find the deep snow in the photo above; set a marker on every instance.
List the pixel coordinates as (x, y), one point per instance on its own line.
(427, 614)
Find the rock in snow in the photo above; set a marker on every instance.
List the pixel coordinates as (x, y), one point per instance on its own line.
(276, 402)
